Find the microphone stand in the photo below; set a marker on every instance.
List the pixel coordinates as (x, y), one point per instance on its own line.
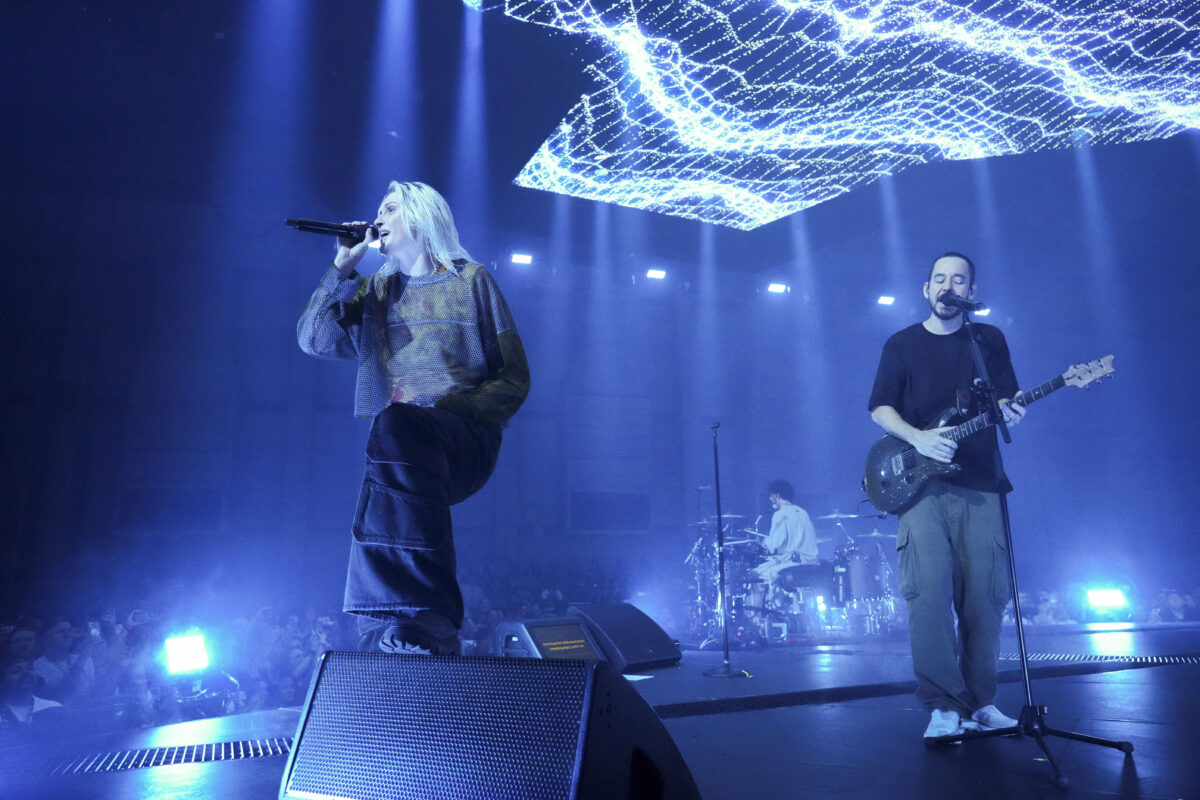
(725, 670)
(1032, 721)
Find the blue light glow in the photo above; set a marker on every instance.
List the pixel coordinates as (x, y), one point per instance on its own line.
(739, 112)
(186, 654)
(1106, 598)
(1109, 626)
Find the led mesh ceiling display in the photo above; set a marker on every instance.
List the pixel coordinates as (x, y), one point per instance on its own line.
(740, 112)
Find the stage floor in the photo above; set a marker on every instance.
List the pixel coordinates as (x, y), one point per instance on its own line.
(832, 721)
(842, 722)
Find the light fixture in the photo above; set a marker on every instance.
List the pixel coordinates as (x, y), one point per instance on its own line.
(186, 654)
(1106, 598)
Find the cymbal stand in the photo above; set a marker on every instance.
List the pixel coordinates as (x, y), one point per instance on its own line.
(725, 670)
(1031, 721)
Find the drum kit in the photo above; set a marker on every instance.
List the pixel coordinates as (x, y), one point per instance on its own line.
(772, 599)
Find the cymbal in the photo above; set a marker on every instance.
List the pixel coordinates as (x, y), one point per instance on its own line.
(752, 532)
(713, 519)
(824, 541)
(737, 541)
(875, 535)
(836, 515)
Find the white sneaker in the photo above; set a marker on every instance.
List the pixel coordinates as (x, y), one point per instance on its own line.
(943, 723)
(990, 718)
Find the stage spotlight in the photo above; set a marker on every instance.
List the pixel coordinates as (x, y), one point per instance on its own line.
(656, 274)
(1106, 599)
(197, 687)
(983, 312)
(186, 654)
(777, 288)
(522, 258)
(885, 300)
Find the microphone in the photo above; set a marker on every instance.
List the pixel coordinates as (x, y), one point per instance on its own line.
(951, 299)
(356, 232)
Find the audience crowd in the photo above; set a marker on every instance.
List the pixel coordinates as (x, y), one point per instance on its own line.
(1071, 606)
(105, 670)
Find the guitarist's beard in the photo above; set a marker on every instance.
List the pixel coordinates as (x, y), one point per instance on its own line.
(947, 313)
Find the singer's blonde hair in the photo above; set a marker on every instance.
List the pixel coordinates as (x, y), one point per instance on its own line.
(428, 215)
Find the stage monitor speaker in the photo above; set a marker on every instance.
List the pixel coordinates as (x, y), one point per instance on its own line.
(628, 639)
(564, 637)
(383, 725)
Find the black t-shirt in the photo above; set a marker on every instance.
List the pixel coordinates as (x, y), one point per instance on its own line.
(922, 374)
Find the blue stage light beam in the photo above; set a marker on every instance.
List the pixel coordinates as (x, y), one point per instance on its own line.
(392, 146)
(739, 112)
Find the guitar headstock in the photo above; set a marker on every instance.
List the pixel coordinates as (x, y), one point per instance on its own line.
(1083, 374)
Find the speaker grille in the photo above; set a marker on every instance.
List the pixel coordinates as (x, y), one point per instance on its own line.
(396, 726)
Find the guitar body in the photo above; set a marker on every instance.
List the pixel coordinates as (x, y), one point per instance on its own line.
(895, 472)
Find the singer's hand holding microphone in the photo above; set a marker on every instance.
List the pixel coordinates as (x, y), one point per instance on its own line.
(353, 239)
(351, 249)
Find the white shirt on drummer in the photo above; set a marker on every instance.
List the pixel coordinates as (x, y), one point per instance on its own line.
(792, 533)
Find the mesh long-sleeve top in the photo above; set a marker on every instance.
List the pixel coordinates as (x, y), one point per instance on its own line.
(445, 340)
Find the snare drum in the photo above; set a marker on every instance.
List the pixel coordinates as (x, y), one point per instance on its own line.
(739, 568)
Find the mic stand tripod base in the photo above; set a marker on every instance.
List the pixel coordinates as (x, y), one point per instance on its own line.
(1032, 723)
(726, 671)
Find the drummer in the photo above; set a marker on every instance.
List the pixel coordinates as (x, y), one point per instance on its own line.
(792, 540)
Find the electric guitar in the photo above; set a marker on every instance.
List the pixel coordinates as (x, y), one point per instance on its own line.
(895, 471)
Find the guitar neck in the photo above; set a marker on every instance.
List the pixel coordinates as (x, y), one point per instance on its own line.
(976, 424)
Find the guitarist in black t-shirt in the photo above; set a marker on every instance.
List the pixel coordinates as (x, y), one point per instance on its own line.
(951, 538)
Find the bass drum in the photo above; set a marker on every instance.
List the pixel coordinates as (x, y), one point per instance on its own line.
(858, 575)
